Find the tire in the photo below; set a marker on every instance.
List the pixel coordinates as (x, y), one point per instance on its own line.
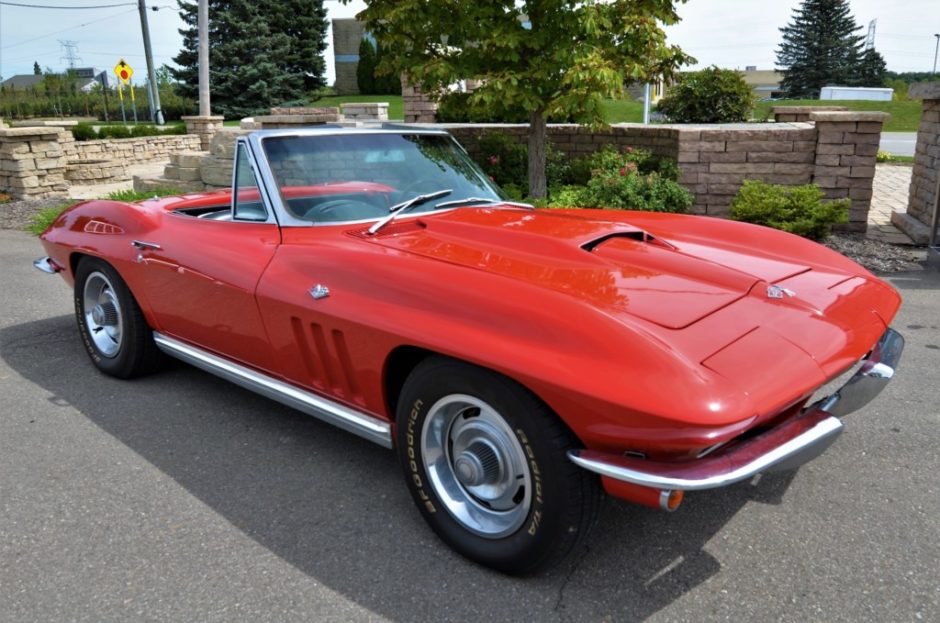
(485, 461)
(113, 328)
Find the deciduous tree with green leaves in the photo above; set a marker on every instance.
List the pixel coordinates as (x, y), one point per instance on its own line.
(549, 57)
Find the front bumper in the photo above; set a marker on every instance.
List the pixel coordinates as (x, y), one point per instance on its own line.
(786, 446)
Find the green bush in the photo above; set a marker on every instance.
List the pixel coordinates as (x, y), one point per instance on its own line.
(114, 131)
(84, 132)
(711, 95)
(580, 170)
(633, 180)
(506, 161)
(796, 209)
(365, 69)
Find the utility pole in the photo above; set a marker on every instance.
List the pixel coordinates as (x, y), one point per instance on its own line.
(156, 115)
(936, 48)
(203, 28)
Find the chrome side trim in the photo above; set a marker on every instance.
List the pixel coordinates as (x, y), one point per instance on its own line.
(693, 478)
(45, 265)
(364, 425)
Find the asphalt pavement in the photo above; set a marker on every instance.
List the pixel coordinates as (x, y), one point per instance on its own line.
(898, 143)
(180, 497)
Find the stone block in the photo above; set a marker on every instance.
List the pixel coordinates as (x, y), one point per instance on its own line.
(867, 127)
(863, 139)
(831, 138)
(720, 156)
(745, 168)
(171, 172)
(189, 174)
(869, 149)
(860, 193)
(26, 164)
(688, 156)
(832, 171)
(793, 169)
(826, 181)
(188, 159)
(763, 146)
(50, 163)
(868, 171)
(805, 157)
(830, 160)
(838, 126)
(217, 171)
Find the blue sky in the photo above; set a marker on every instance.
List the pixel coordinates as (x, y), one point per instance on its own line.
(729, 33)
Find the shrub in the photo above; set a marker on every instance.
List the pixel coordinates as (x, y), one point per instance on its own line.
(130, 195)
(796, 209)
(711, 95)
(365, 69)
(506, 161)
(84, 132)
(633, 180)
(114, 131)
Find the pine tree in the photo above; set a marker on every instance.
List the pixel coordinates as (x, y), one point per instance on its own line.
(872, 70)
(261, 53)
(821, 46)
(37, 70)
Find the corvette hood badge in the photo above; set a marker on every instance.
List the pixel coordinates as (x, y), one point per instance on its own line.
(777, 292)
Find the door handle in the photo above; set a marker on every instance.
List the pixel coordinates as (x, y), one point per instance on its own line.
(140, 244)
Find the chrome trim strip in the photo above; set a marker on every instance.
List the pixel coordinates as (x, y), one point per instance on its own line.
(45, 265)
(364, 425)
(824, 431)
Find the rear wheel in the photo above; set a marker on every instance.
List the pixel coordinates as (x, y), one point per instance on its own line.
(486, 462)
(113, 329)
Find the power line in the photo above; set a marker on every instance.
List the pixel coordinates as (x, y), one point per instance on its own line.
(50, 34)
(48, 6)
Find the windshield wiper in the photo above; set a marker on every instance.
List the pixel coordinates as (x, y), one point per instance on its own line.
(400, 208)
(486, 200)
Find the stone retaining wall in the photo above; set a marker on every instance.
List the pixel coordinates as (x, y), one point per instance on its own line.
(129, 151)
(837, 151)
(925, 181)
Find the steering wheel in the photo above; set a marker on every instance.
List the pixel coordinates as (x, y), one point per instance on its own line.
(336, 210)
(419, 186)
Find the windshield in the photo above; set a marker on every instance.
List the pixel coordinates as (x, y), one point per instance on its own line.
(359, 177)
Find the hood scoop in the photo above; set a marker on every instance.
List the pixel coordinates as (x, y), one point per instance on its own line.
(637, 235)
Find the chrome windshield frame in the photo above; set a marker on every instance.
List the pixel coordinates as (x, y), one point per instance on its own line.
(273, 197)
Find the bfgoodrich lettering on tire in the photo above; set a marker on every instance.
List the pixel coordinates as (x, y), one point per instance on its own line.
(485, 461)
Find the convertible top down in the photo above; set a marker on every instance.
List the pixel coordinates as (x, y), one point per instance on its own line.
(519, 360)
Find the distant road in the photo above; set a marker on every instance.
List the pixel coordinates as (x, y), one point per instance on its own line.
(899, 143)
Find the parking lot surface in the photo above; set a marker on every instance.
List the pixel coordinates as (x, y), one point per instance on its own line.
(182, 497)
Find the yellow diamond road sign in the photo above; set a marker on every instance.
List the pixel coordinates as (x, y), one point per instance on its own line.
(123, 71)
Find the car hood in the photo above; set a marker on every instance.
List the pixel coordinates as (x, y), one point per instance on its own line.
(617, 267)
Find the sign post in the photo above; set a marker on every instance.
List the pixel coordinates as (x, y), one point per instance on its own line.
(124, 72)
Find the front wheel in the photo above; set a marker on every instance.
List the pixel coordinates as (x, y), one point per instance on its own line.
(486, 463)
(113, 328)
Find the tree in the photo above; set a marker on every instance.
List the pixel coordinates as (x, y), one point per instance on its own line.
(365, 68)
(872, 70)
(37, 70)
(821, 46)
(544, 56)
(261, 54)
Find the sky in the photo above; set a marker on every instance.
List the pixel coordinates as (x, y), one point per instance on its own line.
(727, 33)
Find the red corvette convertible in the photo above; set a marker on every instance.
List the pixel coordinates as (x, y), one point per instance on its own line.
(519, 360)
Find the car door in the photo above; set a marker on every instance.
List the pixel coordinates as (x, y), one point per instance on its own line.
(201, 273)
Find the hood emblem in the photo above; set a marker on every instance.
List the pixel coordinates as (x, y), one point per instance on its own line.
(319, 291)
(777, 292)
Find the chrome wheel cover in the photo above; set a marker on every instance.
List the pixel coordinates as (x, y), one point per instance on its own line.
(476, 466)
(102, 314)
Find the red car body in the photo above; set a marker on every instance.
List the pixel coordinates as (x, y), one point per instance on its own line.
(656, 338)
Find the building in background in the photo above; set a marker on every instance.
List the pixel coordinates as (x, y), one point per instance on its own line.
(765, 82)
(347, 34)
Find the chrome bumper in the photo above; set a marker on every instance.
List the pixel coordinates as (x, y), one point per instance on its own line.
(46, 265)
(786, 446)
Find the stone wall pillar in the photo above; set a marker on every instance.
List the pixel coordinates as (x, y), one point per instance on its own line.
(32, 162)
(204, 127)
(799, 114)
(846, 146)
(924, 186)
(418, 107)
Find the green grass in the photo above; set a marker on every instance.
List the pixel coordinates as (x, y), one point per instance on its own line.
(130, 195)
(44, 218)
(905, 115)
(623, 111)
